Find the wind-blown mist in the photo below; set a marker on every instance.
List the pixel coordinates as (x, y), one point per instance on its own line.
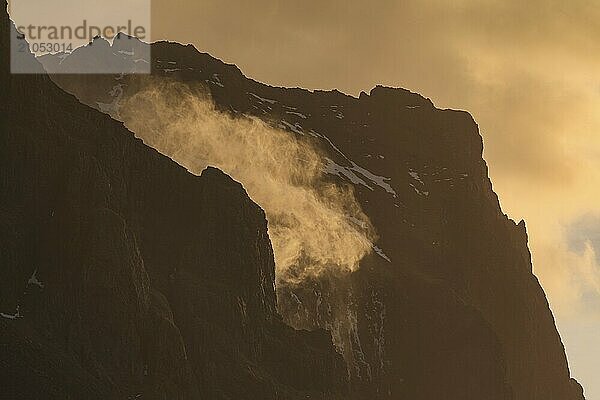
(315, 226)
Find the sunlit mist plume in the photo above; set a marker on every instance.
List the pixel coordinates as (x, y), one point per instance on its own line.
(315, 226)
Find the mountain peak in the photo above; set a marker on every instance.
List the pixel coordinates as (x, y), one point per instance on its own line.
(395, 96)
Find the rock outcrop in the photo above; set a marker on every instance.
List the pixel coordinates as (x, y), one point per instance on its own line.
(124, 276)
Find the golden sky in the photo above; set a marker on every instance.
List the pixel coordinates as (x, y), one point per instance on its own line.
(528, 71)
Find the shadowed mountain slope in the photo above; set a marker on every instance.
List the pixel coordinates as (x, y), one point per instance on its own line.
(124, 276)
(446, 306)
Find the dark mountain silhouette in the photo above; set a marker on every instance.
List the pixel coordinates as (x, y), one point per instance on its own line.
(132, 276)
(123, 276)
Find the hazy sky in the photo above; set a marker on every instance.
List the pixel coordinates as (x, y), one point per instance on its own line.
(526, 70)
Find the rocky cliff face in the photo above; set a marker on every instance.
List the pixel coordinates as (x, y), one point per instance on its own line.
(125, 276)
(446, 306)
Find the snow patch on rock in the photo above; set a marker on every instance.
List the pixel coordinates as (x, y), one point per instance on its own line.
(381, 254)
